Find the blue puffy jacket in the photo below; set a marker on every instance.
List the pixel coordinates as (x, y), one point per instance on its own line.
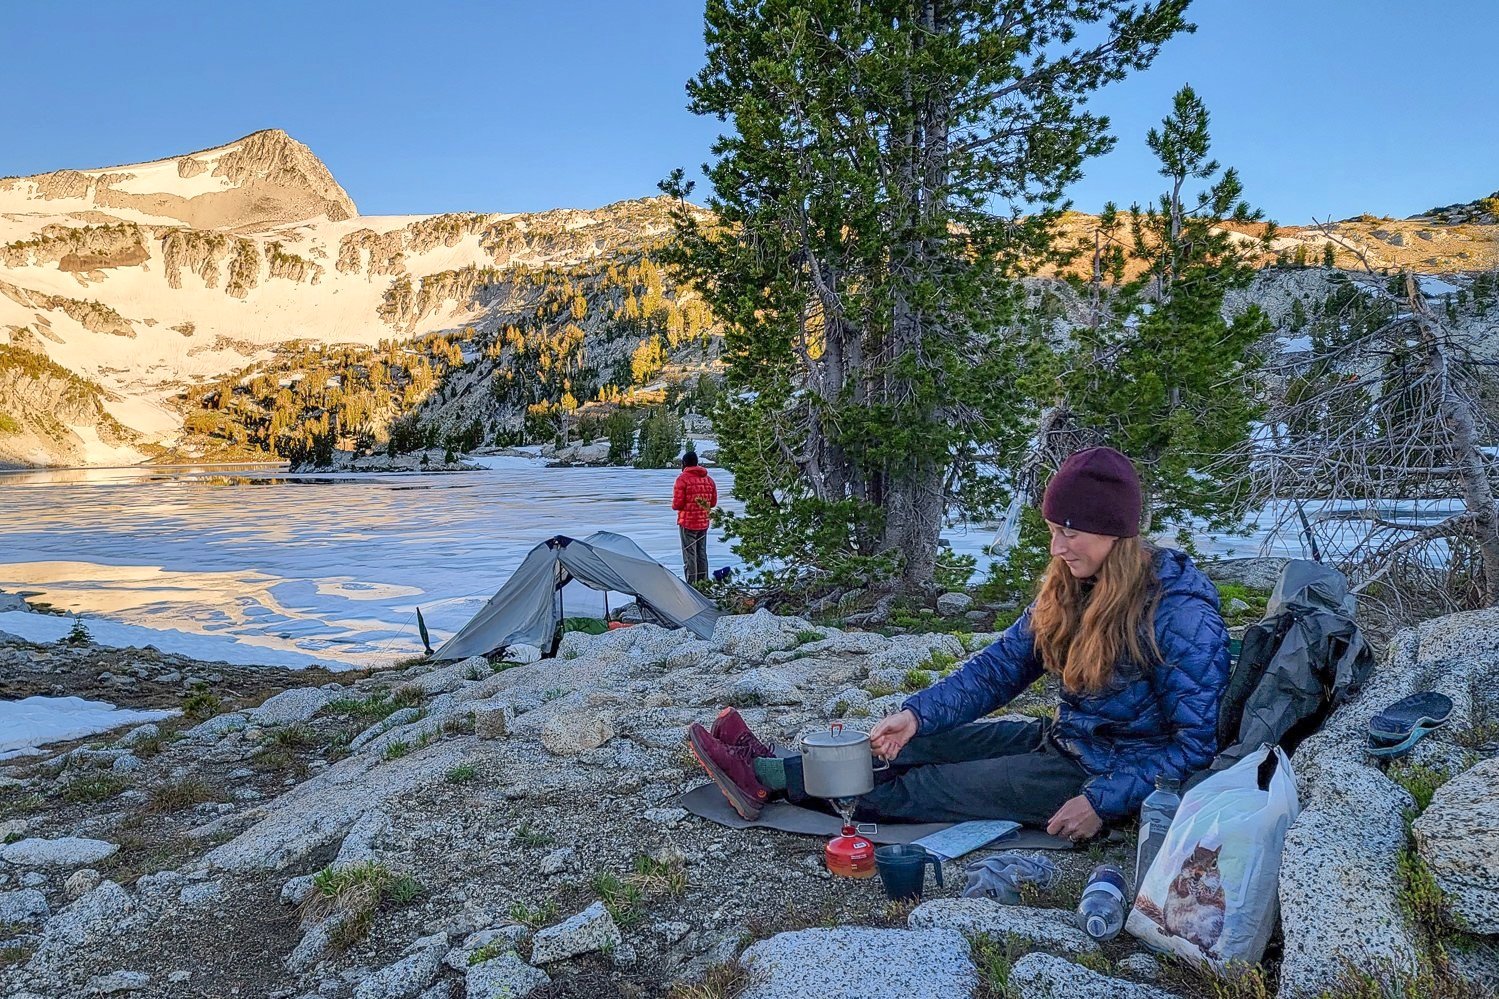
(1152, 720)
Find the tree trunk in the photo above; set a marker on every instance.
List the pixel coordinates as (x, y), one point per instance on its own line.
(914, 504)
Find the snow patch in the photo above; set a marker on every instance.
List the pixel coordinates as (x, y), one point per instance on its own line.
(37, 721)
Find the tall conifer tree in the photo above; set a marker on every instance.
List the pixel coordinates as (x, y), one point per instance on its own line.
(891, 168)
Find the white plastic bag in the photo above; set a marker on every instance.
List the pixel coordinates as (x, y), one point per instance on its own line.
(1211, 892)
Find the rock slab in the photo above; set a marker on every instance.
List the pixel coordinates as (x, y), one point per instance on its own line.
(1339, 881)
(25, 905)
(1051, 929)
(860, 963)
(291, 706)
(410, 976)
(1043, 976)
(69, 851)
(1458, 837)
(505, 976)
(591, 930)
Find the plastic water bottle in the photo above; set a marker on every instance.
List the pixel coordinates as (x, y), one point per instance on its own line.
(1156, 813)
(1101, 911)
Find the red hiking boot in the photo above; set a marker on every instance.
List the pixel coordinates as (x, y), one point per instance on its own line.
(731, 729)
(731, 770)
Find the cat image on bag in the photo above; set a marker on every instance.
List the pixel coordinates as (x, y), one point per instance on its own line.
(1194, 903)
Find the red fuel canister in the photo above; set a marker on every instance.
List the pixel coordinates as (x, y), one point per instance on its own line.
(850, 855)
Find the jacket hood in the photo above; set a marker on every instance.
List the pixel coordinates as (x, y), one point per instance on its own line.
(1179, 576)
(697, 470)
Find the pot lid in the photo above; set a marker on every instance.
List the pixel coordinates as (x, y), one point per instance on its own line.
(836, 737)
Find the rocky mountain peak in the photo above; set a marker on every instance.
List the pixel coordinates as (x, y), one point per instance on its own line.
(266, 178)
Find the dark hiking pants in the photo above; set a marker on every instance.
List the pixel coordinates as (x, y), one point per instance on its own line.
(694, 554)
(985, 770)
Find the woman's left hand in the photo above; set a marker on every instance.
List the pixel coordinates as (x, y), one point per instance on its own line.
(1076, 820)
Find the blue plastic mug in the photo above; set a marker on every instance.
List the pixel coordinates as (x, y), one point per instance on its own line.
(903, 870)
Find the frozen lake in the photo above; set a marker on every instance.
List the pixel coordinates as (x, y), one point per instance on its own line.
(332, 568)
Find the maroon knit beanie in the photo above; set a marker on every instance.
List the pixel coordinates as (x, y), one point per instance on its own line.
(1097, 491)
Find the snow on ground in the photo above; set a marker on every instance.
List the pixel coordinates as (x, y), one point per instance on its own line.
(37, 721)
(241, 650)
(1431, 287)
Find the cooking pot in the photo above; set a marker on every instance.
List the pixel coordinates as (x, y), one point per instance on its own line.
(837, 764)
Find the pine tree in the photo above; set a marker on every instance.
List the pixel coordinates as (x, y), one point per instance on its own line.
(892, 168)
(1162, 375)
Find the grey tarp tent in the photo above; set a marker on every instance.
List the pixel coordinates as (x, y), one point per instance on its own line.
(1298, 664)
(528, 608)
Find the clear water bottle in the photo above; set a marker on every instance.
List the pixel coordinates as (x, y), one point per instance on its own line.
(1156, 813)
(1101, 912)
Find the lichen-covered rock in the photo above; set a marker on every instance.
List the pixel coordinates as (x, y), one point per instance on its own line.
(762, 687)
(854, 700)
(92, 919)
(503, 976)
(1458, 837)
(953, 604)
(1339, 880)
(67, 851)
(569, 733)
(1050, 929)
(291, 706)
(216, 728)
(117, 982)
(591, 930)
(1043, 976)
(396, 719)
(24, 905)
(860, 963)
(321, 810)
(408, 977)
(754, 636)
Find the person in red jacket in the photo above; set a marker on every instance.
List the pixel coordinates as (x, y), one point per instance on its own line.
(692, 497)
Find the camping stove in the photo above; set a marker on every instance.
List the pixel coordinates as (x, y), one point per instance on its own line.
(851, 854)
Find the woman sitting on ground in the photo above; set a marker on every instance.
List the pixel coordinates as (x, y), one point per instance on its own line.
(1134, 634)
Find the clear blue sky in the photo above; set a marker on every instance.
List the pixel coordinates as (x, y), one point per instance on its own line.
(1327, 107)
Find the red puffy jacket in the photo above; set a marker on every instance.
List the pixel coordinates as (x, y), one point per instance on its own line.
(693, 496)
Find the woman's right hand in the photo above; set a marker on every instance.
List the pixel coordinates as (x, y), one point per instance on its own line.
(892, 733)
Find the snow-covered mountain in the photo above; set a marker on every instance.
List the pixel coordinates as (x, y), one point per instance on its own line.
(155, 309)
(121, 286)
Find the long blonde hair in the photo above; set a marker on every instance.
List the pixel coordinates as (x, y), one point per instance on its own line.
(1081, 632)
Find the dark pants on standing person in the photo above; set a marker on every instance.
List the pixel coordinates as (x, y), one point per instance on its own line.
(985, 770)
(694, 554)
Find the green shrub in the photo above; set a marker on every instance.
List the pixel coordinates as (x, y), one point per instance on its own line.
(1420, 780)
(201, 703)
(622, 898)
(355, 892)
(93, 788)
(543, 913)
(174, 796)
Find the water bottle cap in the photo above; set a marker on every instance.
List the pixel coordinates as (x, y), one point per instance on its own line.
(1097, 927)
(1164, 783)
